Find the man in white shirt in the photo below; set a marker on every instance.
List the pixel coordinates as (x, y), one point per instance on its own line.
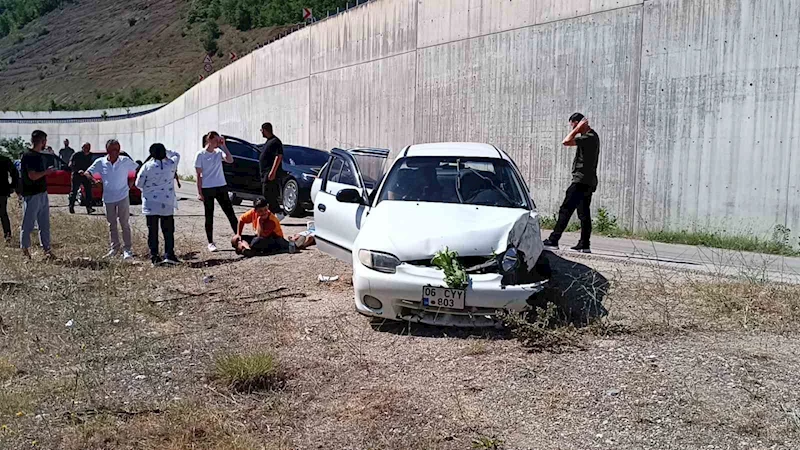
(114, 172)
(156, 179)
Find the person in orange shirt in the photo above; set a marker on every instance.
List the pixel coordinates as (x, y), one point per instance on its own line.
(268, 238)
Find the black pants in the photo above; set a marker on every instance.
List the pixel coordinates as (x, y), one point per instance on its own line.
(266, 246)
(167, 229)
(579, 196)
(77, 182)
(220, 194)
(4, 216)
(271, 190)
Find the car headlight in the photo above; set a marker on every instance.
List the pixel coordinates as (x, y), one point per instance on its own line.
(309, 176)
(510, 260)
(381, 262)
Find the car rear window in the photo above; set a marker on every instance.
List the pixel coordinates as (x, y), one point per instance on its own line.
(305, 156)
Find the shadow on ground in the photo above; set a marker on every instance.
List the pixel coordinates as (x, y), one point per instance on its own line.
(577, 291)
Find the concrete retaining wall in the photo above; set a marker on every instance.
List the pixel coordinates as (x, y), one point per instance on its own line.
(694, 100)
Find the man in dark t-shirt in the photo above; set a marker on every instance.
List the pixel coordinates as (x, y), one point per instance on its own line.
(35, 203)
(270, 164)
(584, 183)
(78, 164)
(66, 152)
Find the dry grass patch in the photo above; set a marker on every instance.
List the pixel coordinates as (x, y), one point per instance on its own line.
(771, 306)
(248, 373)
(7, 370)
(543, 330)
(183, 426)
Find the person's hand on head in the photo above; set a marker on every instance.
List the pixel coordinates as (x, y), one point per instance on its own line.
(583, 125)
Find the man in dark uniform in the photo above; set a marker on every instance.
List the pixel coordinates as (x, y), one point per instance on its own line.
(79, 163)
(584, 183)
(271, 168)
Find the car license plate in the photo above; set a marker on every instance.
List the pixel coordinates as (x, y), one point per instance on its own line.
(438, 297)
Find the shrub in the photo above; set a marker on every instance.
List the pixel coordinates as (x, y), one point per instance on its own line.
(247, 373)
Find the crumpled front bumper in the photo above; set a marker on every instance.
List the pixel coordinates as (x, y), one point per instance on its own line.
(401, 296)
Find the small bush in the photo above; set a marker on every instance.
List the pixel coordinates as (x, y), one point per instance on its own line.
(43, 32)
(132, 21)
(247, 373)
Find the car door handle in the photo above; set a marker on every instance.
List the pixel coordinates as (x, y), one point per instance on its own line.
(321, 207)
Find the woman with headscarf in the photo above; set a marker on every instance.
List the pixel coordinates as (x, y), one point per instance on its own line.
(156, 180)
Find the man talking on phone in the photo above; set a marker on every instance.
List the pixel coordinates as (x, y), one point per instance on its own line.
(584, 183)
(35, 203)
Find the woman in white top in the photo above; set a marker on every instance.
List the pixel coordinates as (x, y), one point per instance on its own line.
(211, 183)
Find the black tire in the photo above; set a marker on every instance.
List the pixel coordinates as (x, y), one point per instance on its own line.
(291, 199)
(235, 199)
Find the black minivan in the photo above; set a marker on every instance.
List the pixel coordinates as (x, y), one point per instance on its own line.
(300, 164)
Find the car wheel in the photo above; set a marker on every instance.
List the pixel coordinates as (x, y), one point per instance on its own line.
(235, 199)
(291, 197)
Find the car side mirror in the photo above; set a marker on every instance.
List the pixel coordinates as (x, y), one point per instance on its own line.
(349, 196)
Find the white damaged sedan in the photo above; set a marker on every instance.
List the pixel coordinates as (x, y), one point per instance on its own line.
(462, 197)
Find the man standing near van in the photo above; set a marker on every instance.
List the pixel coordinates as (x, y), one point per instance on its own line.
(270, 165)
(584, 183)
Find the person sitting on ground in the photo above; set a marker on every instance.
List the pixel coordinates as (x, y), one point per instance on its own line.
(269, 235)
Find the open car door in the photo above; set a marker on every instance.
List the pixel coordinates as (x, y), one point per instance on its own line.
(343, 199)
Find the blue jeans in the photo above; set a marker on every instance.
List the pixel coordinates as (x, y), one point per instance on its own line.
(35, 208)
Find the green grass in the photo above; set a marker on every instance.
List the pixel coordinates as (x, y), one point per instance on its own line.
(247, 373)
(712, 239)
(605, 224)
(190, 178)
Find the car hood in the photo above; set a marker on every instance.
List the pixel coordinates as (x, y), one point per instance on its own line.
(417, 230)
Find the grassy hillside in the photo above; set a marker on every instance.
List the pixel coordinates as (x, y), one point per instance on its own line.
(88, 54)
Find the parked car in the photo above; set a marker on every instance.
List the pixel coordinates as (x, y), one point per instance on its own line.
(301, 165)
(60, 181)
(467, 198)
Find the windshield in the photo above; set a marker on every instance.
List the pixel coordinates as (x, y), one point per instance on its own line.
(304, 156)
(472, 181)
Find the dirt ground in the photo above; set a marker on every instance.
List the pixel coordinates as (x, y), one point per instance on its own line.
(99, 354)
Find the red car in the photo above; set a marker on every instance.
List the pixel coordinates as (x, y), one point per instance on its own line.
(60, 181)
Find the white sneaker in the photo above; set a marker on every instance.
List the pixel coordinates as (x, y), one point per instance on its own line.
(127, 255)
(111, 254)
(212, 247)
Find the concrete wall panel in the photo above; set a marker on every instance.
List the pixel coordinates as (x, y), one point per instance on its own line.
(192, 143)
(282, 61)
(364, 105)
(375, 30)
(516, 90)
(445, 21)
(719, 94)
(236, 79)
(286, 107)
(234, 117)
